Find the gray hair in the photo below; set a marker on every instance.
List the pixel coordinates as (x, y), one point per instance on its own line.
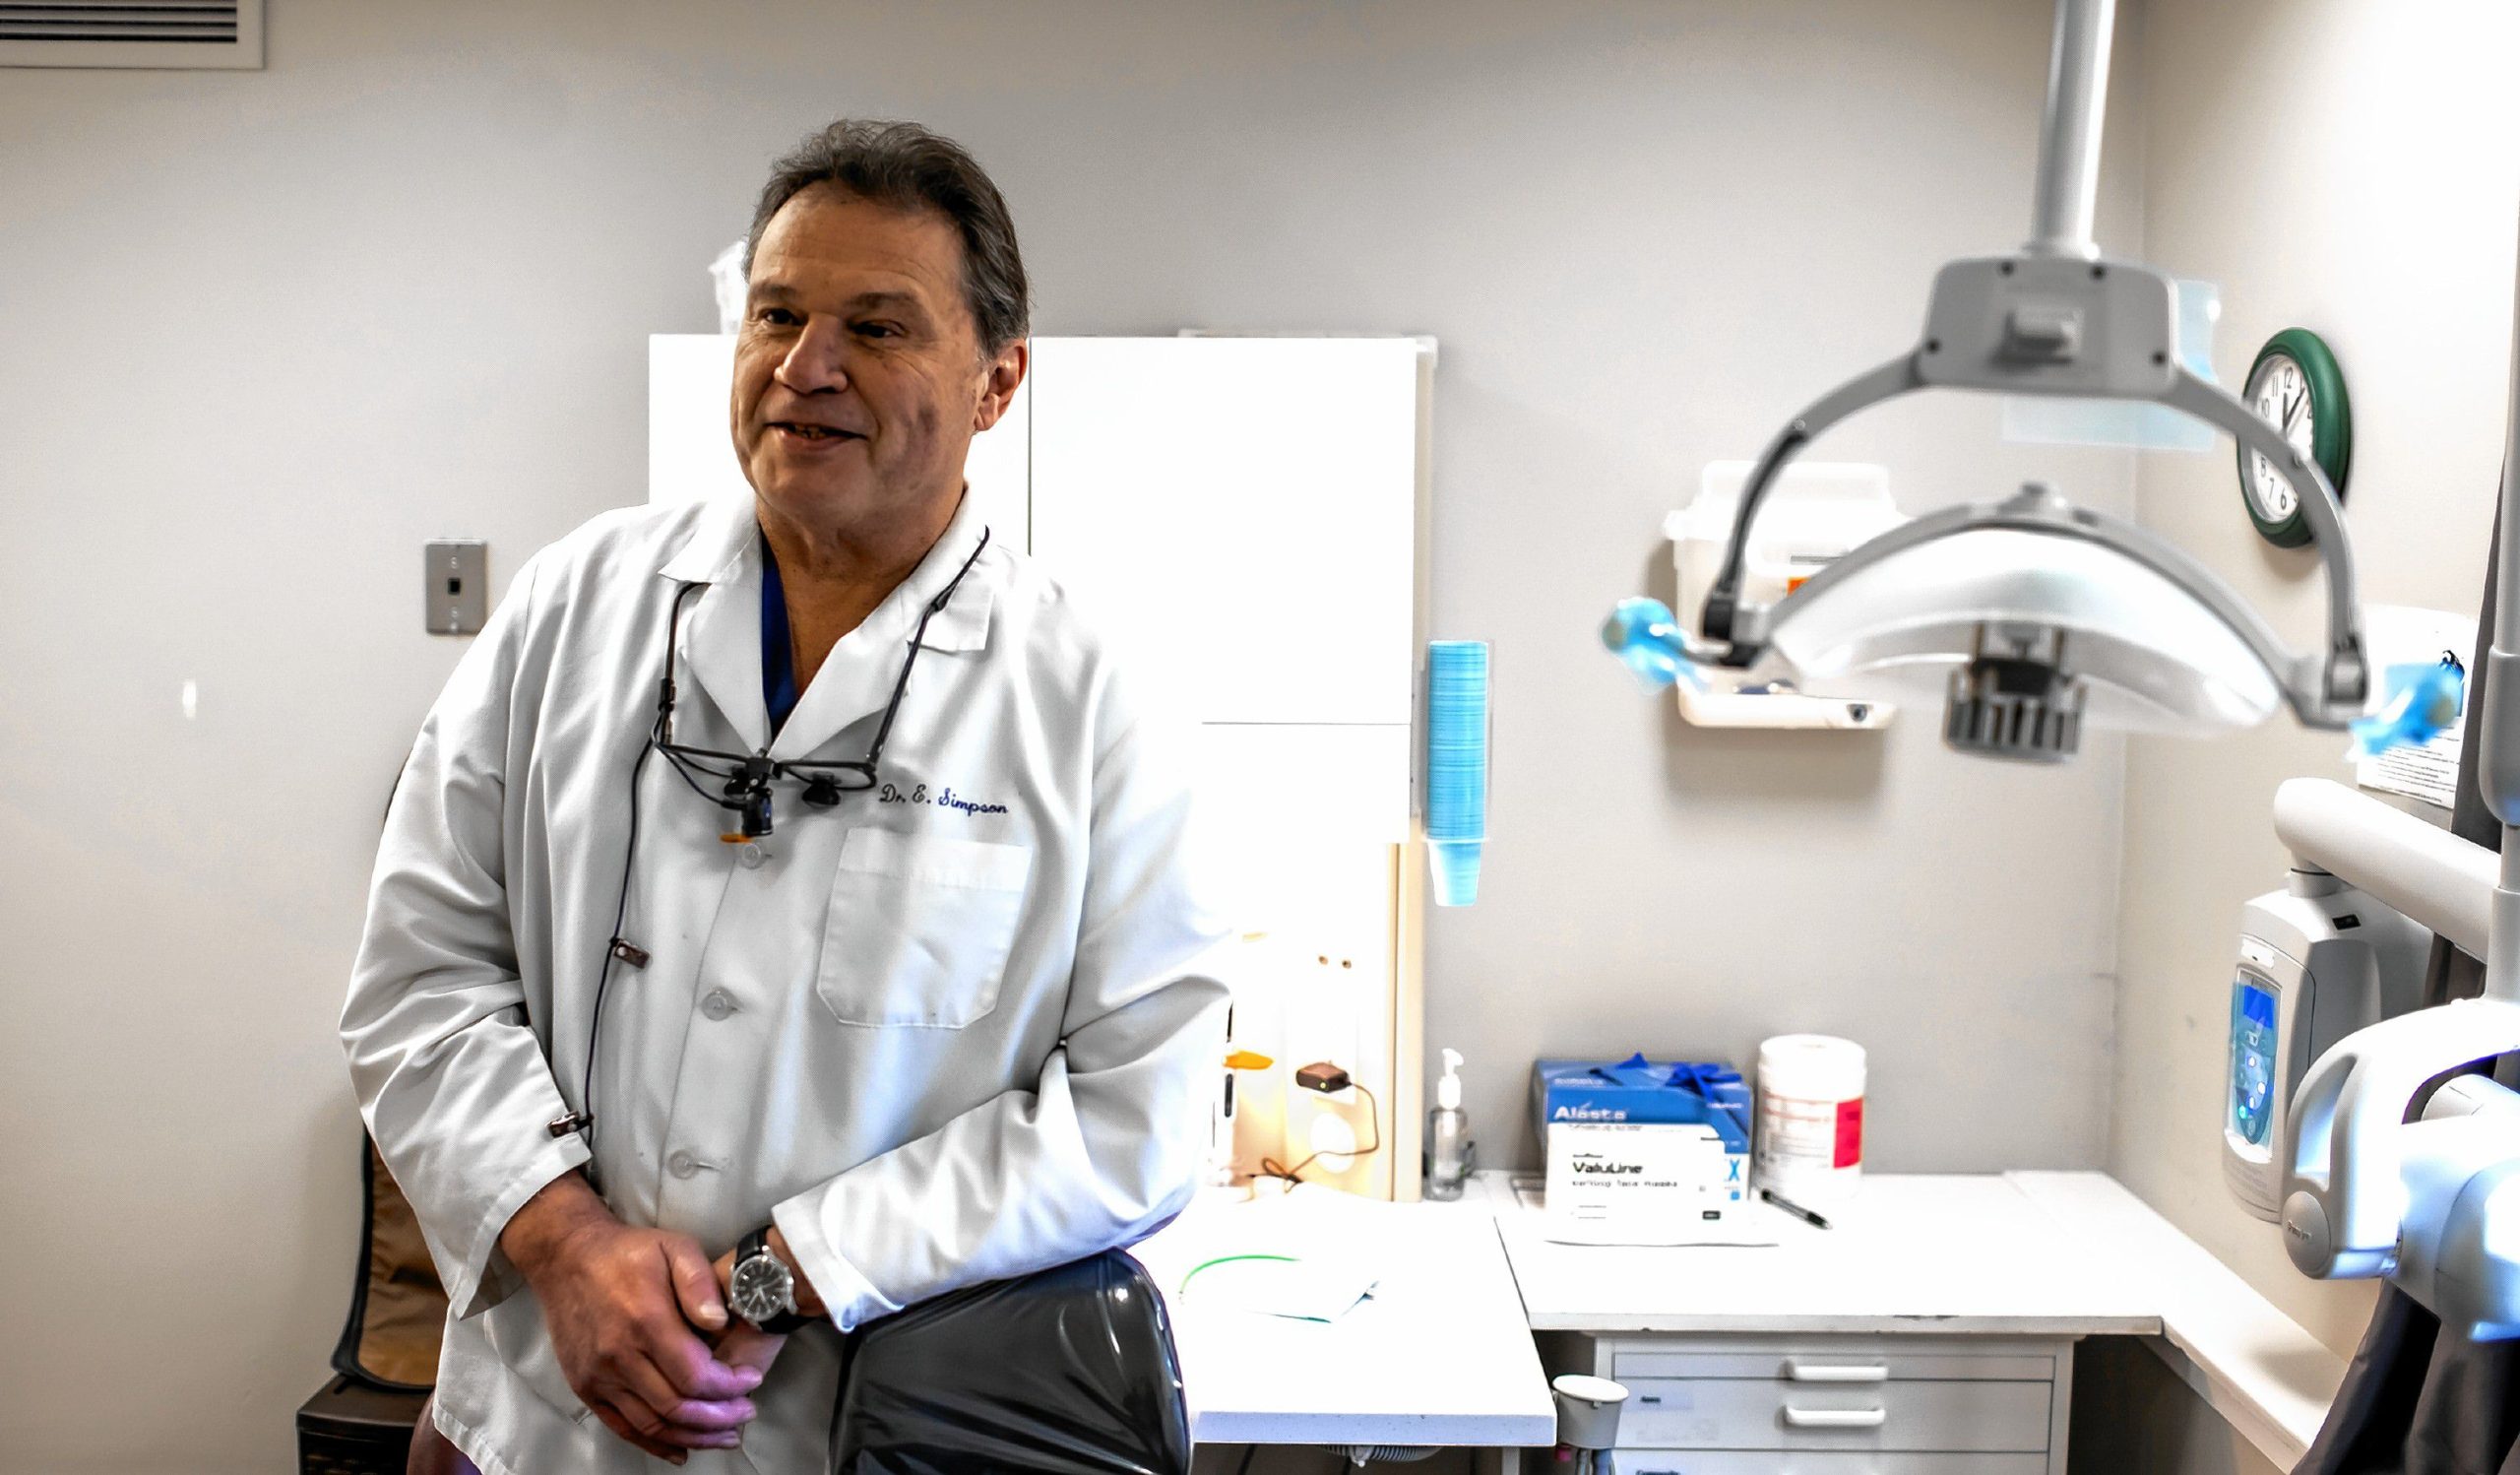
(908, 167)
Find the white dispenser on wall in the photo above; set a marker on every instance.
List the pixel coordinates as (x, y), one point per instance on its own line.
(2317, 961)
(1816, 513)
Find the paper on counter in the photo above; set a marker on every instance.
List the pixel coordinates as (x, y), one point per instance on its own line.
(2397, 636)
(1299, 1288)
(1312, 1254)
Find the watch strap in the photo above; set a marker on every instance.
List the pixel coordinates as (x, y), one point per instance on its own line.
(755, 1244)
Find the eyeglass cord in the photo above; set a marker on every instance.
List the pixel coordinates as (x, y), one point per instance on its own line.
(660, 739)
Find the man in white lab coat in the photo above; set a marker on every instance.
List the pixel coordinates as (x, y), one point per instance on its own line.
(882, 972)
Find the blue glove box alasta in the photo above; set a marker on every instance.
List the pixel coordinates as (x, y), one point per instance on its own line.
(1644, 1151)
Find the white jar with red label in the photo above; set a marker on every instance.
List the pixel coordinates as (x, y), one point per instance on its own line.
(1808, 1148)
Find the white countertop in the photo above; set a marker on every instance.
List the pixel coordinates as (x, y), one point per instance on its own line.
(1439, 1355)
(1956, 1255)
(1442, 1354)
(2023, 1253)
(2272, 1380)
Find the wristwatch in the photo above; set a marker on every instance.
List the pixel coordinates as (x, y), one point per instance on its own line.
(762, 1289)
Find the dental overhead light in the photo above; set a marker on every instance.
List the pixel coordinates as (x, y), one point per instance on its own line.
(2032, 618)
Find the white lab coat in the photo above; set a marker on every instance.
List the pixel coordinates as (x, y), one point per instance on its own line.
(950, 1031)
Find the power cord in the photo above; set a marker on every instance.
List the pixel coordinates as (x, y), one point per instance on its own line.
(1346, 1456)
(1270, 1167)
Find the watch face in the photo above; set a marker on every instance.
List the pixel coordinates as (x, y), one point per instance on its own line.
(2281, 395)
(762, 1289)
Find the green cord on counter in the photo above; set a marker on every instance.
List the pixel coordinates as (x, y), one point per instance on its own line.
(1228, 1259)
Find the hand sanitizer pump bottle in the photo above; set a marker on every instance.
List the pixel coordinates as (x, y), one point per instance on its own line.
(1449, 1150)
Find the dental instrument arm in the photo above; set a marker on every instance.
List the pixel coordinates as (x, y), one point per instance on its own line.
(2354, 1159)
(2417, 869)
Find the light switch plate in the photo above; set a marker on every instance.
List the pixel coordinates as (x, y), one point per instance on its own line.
(456, 588)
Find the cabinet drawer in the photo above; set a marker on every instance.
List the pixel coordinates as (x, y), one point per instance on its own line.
(1822, 1365)
(1746, 1462)
(1741, 1413)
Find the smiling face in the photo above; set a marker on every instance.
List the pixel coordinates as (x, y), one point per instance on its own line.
(859, 379)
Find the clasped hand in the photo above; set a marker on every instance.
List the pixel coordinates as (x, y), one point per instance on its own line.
(638, 1320)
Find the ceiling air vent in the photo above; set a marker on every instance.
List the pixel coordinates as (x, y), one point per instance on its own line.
(148, 34)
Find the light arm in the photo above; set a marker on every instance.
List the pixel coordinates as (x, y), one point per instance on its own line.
(2062, 208)
(2417, 869)
(2055, 321)
(1865, 390)
(2333, 688)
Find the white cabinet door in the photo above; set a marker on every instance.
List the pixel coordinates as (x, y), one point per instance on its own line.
(691, 454)
(1240, 512)
(1280, 787)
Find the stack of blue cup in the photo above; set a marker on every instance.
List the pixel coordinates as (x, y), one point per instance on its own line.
(1456, 767)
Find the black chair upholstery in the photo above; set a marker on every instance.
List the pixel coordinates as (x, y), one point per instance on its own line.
(1068, 1372)
(352, 1428)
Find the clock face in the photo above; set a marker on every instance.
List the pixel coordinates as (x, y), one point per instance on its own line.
(2296, 387)
(2280, 393)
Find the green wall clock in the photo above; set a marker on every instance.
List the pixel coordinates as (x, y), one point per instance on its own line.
(2295, 386)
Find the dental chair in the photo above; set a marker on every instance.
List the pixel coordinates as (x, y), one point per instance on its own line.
(361, 1420)
(1068, 1372)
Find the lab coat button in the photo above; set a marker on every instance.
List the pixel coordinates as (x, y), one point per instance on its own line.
(719, 1004)
(751, 856)
(682, 1165)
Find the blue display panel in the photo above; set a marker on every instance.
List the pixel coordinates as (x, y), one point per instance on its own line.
(2253, 1058)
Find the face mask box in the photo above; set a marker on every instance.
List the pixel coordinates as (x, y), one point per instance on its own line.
(1644, 1152)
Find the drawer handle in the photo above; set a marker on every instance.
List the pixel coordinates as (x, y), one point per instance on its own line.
(1835, 1418)
(1800, 1373)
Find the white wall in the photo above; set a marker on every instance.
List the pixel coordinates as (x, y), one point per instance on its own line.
(265, 331)
(2347, 166)
(1799, 172)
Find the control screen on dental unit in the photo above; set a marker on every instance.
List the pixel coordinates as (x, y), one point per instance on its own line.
(2254, 1059)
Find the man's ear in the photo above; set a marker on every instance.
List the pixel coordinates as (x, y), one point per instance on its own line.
(1003, 376)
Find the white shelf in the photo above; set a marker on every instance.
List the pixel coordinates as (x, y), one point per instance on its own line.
(1780, 710)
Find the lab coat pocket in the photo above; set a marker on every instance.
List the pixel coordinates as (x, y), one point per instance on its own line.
(522, 1340)
(920, 928)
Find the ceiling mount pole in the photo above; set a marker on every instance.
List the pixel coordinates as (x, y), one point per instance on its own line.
(2069, 132)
